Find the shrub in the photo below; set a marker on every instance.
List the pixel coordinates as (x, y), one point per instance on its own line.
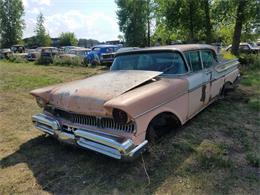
(250, 60)
(256, 63)
(17, 59)
(227, 55)
(67, 61)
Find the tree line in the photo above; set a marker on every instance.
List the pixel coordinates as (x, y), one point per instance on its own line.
(12, 25)
(146, 21)
(192, 21)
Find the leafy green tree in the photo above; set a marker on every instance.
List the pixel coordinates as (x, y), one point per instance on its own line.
(185, 18)
(133, 21)
(245, 13)
(207, 20)
(256, 22)
(223, 17)
(121, 38)
(11, 22)
(42, 37)
(68, 39)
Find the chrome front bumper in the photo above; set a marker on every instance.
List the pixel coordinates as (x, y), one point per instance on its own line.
(105, 144)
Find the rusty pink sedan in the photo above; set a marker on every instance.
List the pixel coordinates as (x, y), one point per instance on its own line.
(147, 93)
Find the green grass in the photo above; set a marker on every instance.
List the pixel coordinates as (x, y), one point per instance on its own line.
(27, 76)
(217, 152)
(252, 78)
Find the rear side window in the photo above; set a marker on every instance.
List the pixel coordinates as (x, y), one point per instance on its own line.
(207, 58)
(193, 58)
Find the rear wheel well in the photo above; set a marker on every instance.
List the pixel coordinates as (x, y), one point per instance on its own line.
(161, 124)
(225, 88)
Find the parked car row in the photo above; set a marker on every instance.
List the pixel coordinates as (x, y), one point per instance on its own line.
(99, 54)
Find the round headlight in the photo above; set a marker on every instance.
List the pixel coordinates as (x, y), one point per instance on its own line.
(41, 103)
(120, 116)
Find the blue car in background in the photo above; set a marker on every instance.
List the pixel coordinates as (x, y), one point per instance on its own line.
(96, 55)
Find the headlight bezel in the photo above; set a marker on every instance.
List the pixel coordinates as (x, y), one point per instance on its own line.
(41, 102)
(120, 116)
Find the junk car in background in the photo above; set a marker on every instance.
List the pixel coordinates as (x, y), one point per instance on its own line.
(95, 56)
(48, 54)
(18, 49)
(248, 48)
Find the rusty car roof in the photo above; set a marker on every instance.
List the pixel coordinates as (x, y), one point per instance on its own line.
(180, 48)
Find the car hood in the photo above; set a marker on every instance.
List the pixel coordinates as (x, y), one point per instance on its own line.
(88, 96)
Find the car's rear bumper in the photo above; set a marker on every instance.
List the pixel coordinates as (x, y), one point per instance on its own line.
(118, 148)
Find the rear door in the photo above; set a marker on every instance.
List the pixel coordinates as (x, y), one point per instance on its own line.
(199, 83)
(209, 61)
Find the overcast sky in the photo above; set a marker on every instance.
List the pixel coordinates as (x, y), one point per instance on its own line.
(94, 19)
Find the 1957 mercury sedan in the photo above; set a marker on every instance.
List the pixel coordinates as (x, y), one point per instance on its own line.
(147, 92)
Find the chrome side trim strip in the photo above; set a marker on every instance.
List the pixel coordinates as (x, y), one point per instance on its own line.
(226, 65)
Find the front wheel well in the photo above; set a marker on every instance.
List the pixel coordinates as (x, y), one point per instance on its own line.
(161, 124)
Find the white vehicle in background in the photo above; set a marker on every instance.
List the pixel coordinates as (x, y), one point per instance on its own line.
(81, 52)
(5, 53)
(246, 48)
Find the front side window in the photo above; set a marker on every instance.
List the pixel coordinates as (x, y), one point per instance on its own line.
(207, 58)
(193, 58)
(166, 62)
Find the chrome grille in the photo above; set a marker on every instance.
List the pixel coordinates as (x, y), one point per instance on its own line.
(100, 122)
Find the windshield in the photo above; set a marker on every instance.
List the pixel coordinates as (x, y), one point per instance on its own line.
(166, 62)
(253, 44)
